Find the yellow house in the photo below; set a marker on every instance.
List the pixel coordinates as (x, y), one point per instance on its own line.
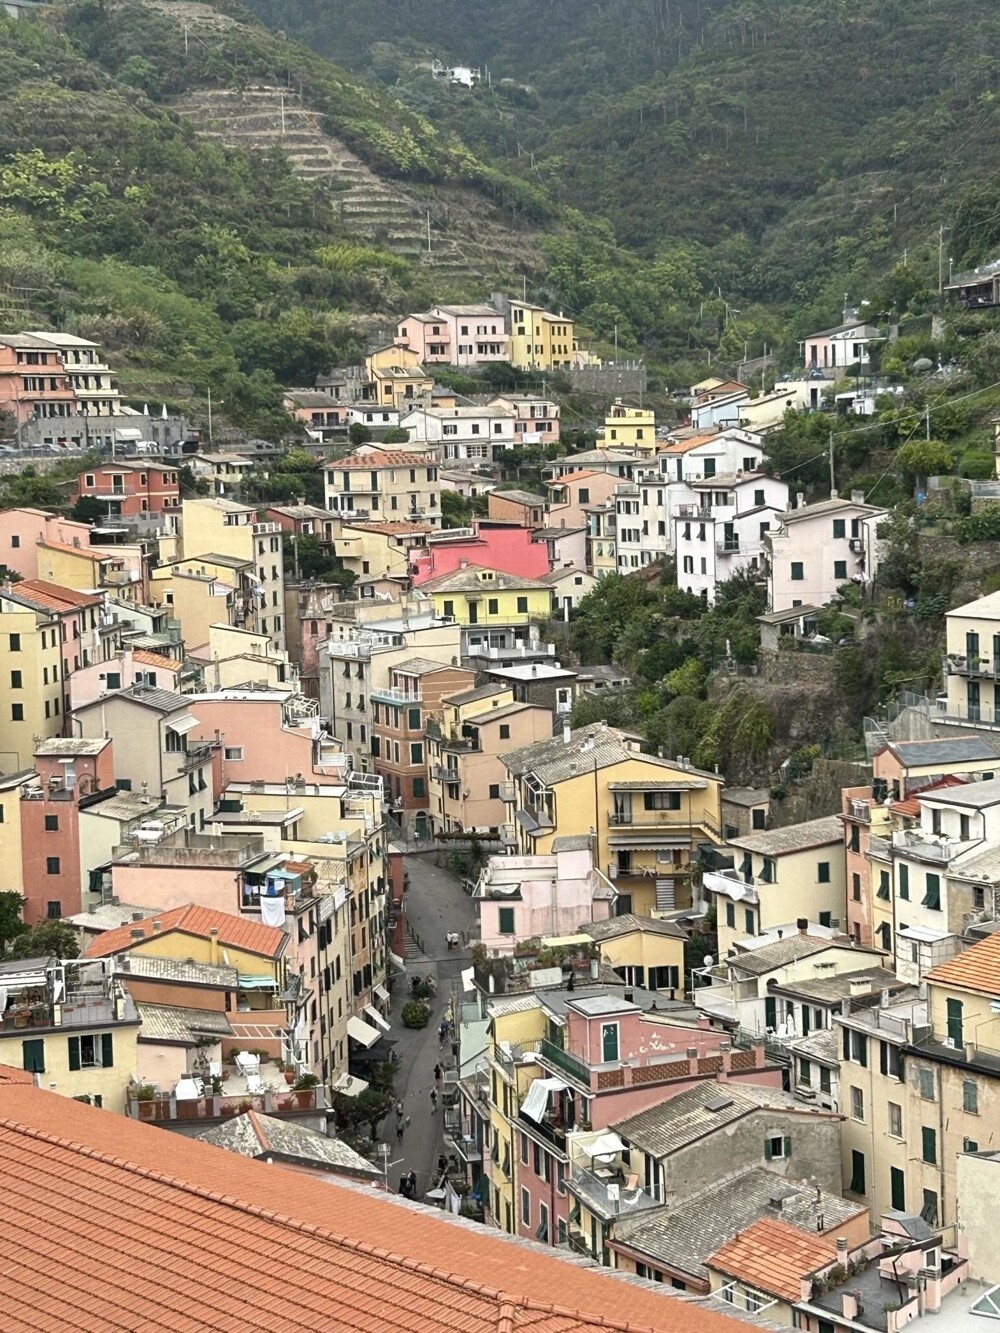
(781, 876)
(234, 657)
(643, 951)
(384, 486)
(514, 1022)
(200, 592)
(377, 549)
(31, 671)
(602, 539)
(219, 527)
(75, 1033)
(540, 340)
(11, 871)
(397, 377)
(479, 596)
(646, 814)
(630, 428)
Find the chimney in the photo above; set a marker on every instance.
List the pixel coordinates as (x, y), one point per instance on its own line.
(567, 733)
(595, 969)
(857, 497)
(137, 916)
(803, 925)
(849, 1300)
(841, 1244)
(138, 934)
(833, 494)
(800, 499)
(534, 669)
(463, 563)
(883, 998)
(629, 996)
(157, 927)
(213, 945)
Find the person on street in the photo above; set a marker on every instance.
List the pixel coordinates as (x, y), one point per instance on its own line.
(434, 1101)
(438, 1074)
(405, 1188)
(412, 1179)
(400, 1127)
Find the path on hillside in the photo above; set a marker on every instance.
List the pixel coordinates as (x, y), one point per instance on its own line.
(435, 904)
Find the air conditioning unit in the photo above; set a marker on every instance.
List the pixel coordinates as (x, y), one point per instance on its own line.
(612, 872)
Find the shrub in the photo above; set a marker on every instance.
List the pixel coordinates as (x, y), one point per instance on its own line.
(416, 1014)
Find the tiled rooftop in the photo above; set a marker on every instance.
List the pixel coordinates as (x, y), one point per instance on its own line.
(976, 969)
(52, 596)
(379, 458)
(233, 931)
(175, 1023)
(254, 1134)
(686, 1118)
(774, 1256)
(793, 837)
(109, 1226)
(595, 746)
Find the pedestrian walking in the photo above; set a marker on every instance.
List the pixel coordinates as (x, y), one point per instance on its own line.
(412, 1181)
(434, 1101)
(400, 1127)
(438, 1074)
(405, 1188)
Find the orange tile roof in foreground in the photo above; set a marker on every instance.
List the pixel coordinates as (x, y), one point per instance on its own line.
(111, 1225)
(976, 968)
(53, 596)
(773, 1256)
(155, 660)
(234, 931)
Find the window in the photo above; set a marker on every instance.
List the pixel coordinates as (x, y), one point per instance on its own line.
(748, 920)
(494, 791)
(797, 571)
(15, 540)
(857, 1104)
(52, 865)
(839, 528)
(932, 897)
(805, 1072)
(233, 753)
(928, 1145)
(51, 823)
(419, 788)
(758, 818)
(504, 731)
(856, 887)
(857, 1185)
(15, 643)
(412, 718)
(536, 1159)
(929, 1212)
(776, 1147)
(542, 1231)
(970, 1145)
(416, 752)
(522, 605)
(449, 608)
(505, 920)
(114, 680)
(584, 495)
(895, 1120)
(897, 1189)
(661, 800)
(840, 570)
(955, 1023)
(33, 1055)
(561, 1177)
(890, 1060)
(17, 712)
(927, 1084)
(15, 680)
(854, 839)
(493, 606)
(823, 872)
(525, 1207)
(731, 915)
(54, 910)
(883, 884)
(609, 1042)
(970, 1096)
(91, 1052)
(904, 882)
(524, 1146)
(825, 1082)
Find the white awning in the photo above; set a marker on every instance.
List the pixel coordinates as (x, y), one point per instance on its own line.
(182, 725)
(362, 1031)
(350, 1086)
(397, 962)
(382, 993)
(604, 1146)
(376, 1017)
(537, 1100)
(732, 888)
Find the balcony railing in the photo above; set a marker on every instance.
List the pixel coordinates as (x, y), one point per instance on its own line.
(859, 810)
(958, 664)
(728, 546)
(394, 695)
(191, 759)
(444, 774)
(164, 1107)
(569, 1064)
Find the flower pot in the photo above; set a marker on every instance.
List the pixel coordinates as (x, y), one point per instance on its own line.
(289, 1076)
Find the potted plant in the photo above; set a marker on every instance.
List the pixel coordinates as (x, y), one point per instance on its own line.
(22, 1017)
(289, 1075)
(303, 1087)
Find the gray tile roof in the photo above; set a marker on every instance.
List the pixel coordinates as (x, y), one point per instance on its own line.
(977, 795)
(572, 842)
(109, 916)
(167, 1022)
(468, 580)
(257, 1135)
(684, 1119)
(473, 696)
(177, 969)
(746, 795)
(830, 990)
(755, 962)
(420, 666)
(685, 1238)
(948, 750)
(629, 922)
(522, 497)
(596, 745)
(795, 837)
(821, 1045)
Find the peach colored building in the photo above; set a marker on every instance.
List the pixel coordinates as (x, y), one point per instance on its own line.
(130, 666)
(517, 506)
(528, 897)
(569, 495)
(264, 736)
(457, 335)
(33, 379)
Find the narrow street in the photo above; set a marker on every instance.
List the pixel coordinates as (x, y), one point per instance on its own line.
(435, 905)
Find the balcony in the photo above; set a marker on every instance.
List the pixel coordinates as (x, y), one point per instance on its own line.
(466, 744)
(196, 758)
(694, 511)
(565, 1062)
(927, 847)
(958, 664)
(728, 546)
(392, 694)
(164, 1108)
(609, 1192)
(444, 774)
(859, 810)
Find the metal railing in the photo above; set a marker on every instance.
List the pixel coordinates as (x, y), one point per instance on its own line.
(568, 1063)
(393, 694)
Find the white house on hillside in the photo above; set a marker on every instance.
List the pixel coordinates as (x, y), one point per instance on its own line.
(816, 548)
(722, 531)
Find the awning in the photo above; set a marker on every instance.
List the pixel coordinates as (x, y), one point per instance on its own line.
(605, 1146)
(376, 1017)
(182, 725)
(732, 888)
(350, 1086)
(362, 1032)
(535, 1103)
(397, 962)
(382, 993)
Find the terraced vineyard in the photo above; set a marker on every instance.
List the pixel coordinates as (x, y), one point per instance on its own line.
(467, 245)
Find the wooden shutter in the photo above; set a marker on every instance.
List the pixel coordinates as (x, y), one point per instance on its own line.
(107, 1050)
(74, 1053)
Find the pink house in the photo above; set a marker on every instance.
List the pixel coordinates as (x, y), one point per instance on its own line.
(835, 349)
(526, 897)
(569, 494)
(536, 419)
(502, 546)
(265, 736)
(455, 335)
(614, 1060)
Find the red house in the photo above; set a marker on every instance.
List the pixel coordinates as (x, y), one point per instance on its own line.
(130, 489)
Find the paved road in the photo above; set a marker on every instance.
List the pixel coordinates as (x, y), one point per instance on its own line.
(435, 905)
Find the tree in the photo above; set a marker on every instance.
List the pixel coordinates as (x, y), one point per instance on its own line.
(11, 925)
(88, 509)
(920, 459)
(358, 433)
(49, 939)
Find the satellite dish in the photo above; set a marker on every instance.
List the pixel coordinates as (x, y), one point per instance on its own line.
(709, 960)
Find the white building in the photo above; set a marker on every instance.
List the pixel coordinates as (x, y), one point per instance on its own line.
(722, 531)
(816, 548)
(370, 414)
(463, 434)
(696, 454)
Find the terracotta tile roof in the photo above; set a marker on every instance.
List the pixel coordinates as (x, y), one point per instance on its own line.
(112, 1225)
(976, 969)
(8, 1074)
(383, 458)
(575, 476)
(911, 806)
(692, 442)
(155, 660)
(85, 552)
(234, 931)
(773, 1256)
(52, 596)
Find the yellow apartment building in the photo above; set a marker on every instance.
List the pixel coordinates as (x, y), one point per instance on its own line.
(519, 1019)
(385, 485)
(647, 815)
(630, 428)
(781, 875)
(397, 377)
(234, 657)
(203, 591)
(11, 866)
(466, 776)
(379, 548)
(218, 527)
(540, 340)
(479, 596)
(643, 951)
(30, 672)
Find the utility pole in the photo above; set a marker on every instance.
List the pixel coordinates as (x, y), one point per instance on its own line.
(616, 344)
(927, 422)
(428, 231)
(941, 260)
(282, 95)
(210, 415)
(185, 39)
(833, 483)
